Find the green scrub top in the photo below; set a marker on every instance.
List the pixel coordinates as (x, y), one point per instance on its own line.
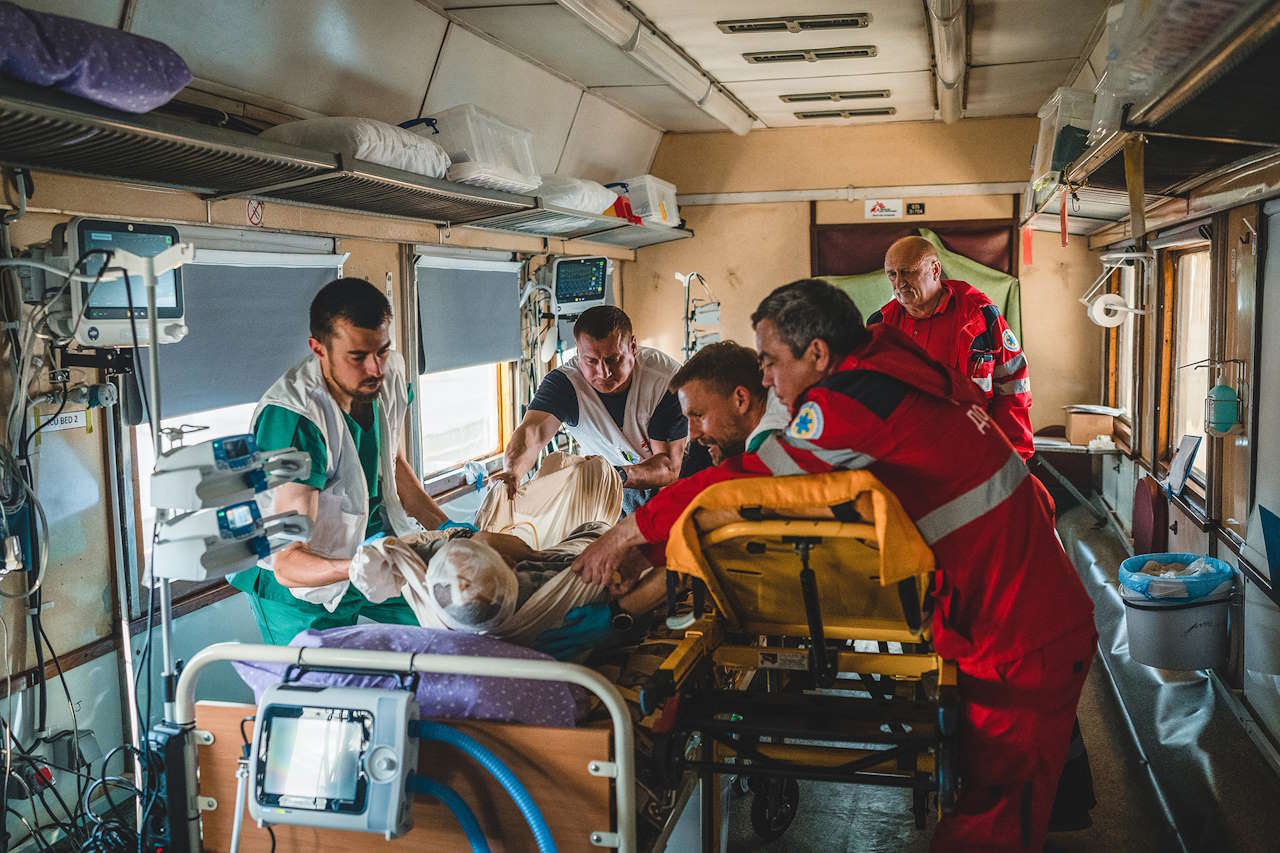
(279, 614)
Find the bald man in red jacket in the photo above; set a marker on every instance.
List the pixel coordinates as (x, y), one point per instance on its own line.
(959, 326)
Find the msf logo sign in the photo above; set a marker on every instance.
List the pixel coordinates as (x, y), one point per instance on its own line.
(981, 420)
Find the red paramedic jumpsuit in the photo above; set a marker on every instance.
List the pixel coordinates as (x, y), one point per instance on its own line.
(1009, 608)
(967, 333)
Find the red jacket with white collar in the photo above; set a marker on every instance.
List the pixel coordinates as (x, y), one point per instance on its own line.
(967, 333)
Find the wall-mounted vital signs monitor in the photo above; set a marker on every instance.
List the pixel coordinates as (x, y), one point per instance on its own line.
(108, 313)
(579, 283)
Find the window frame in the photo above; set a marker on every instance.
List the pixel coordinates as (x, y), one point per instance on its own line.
(1197, 492)
(1127, 426)
(441, 480)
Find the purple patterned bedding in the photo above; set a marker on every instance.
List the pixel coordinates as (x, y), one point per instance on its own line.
(106, 66)
(457, 697)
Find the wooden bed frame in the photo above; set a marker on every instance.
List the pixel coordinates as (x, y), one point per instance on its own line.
(551, 762)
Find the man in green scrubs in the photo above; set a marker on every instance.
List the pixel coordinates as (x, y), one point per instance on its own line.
(346, 406)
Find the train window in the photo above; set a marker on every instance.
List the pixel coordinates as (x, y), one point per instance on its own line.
(460, 415)
(1191, 331)
(1126, 337)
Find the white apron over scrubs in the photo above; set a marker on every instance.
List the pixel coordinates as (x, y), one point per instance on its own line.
(598, 434)
(342, 511)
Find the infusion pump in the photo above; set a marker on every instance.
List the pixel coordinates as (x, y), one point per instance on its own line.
(107, 312)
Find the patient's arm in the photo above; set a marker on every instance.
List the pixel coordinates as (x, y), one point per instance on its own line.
(647, 595)
(296, 565)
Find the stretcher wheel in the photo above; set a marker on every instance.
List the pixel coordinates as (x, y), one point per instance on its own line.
(773, 809)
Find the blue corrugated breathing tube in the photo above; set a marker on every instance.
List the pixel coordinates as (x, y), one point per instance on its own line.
(429, 730)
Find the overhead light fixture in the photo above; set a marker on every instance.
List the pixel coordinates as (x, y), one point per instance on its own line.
(613, 21)
(796, 23)
(659, 57)
(853, 51)
(607, 17)
(721, 107)
(836, 97)
(870, 111)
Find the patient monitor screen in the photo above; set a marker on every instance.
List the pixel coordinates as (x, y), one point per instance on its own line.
(580, 280)
(313, 760)
(108, 298)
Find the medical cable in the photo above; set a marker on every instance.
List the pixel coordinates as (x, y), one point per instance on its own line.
(428, 787)
(429, 730)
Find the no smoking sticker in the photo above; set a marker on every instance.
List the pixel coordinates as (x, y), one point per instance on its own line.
(253, 211)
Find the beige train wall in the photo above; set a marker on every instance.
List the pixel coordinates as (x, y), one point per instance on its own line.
(746, 250)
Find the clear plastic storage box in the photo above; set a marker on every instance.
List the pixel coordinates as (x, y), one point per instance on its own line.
(486, 151)
(1065, 120)
(653, 200)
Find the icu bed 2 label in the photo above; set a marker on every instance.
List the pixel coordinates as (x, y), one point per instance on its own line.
(797, 659)
(66, 420)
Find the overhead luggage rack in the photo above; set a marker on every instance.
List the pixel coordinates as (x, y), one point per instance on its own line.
(1211, 118)
(40, 129)
(370, 188)
(548, 221)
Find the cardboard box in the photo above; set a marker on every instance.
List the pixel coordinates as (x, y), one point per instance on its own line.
(1084, 426)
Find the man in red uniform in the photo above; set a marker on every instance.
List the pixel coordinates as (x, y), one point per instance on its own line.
(958, 326)
(1008, 606)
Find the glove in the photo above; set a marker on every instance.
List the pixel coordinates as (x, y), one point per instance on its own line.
(451, 524)
(584, 628)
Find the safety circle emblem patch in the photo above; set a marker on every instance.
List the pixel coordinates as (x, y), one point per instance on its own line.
(807, 424)
(1010, 341)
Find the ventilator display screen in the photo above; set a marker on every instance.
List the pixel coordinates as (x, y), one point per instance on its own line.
(580, 280)
(109, 298)
(313, 759)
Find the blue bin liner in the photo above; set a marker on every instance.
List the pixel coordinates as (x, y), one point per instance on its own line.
(1197, 586)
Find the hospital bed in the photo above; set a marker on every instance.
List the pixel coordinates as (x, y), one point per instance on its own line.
(782, 568)
(812, 593)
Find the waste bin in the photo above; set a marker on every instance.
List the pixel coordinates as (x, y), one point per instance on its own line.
(1177, 622)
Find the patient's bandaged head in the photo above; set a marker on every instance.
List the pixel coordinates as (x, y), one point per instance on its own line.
(470, 587)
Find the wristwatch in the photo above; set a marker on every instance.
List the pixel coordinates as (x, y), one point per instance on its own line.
(622, 472)
(620, 619)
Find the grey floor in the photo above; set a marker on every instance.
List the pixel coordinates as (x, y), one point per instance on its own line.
(858, 818)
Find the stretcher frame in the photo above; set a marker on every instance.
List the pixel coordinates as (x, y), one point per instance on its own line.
(899, 726)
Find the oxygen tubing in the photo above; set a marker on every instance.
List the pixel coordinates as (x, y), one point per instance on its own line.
(431, 788)
(428, 730)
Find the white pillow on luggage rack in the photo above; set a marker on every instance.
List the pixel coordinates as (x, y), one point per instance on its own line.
(576, 194)
(365, 139)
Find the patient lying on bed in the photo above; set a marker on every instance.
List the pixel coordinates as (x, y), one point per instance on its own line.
(499, 582)
(488, 583)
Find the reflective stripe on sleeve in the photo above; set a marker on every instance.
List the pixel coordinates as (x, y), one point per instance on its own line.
(836, 457)
(777, 460)
(983, 382)
(1011, 389)
(1010, 367)
(975, 503)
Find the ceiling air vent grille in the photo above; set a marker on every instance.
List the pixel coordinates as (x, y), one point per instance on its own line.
(869, 111)
(857, 51)
(796, 23)
(837, 97)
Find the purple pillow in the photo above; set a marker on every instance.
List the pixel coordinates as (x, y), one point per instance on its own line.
(440, 696)
(103, 65)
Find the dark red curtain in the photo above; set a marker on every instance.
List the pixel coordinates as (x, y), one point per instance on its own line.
(859, 248)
